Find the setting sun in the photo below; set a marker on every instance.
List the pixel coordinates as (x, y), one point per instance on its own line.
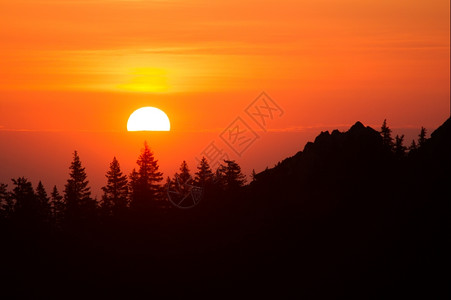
(148, 119)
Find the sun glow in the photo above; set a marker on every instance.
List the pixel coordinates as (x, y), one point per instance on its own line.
(148, 119)
(146, 80)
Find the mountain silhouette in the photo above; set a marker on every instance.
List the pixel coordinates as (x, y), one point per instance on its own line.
(357, 219)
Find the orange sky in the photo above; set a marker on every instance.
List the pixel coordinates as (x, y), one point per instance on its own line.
(71, 72)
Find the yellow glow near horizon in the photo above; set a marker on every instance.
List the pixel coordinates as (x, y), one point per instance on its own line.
(146, 80)
(148, 119)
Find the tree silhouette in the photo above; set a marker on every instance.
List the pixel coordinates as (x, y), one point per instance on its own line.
(184, 175)
(26, 204)
(230, 175)
(44, 202)
(57, 205)
(413, 146)
(422, 137)
(115, 193)
(77, 193)
(218, 179)
(385, 132)
(399, 148)
(204, 175)
(253, 175)
(6, 203)
(180, 178)
(169, 183)
(145, 188)
(132, 185)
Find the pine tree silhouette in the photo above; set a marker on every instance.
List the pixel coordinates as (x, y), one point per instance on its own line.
(132, 186)
(387, 139)
(231, 176)
(422, 137)
(115, 193)
(26, 204)
(204, 174)
(184, 175)
(6, 203)
(145, 188)
(77, 193)
(58, 206)
(44, 203)
(399, 148)
(413, 146)
(254, 175)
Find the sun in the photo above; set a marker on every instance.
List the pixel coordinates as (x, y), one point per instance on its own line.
(148, 119)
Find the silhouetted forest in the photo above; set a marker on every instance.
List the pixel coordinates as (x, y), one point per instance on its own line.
(356, 214)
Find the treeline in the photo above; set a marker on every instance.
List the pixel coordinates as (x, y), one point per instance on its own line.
(140, 192)
(354, 213)
(396, 145)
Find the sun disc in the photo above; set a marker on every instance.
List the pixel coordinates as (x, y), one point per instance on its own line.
(148, 119)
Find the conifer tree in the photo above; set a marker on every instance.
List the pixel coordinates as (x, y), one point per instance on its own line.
(26, 205)
(231, 175)
(184, 175)
(413, 146)
(399, 148)
(422, 137)
(385, 132)
(254, 175)
(169, 183)
(44, 202)
(6, 204)
(132, 185)
(57, 205)
(115, 193)
(180, 179)
(204, 175)
(146, 190)
(218, 177)
(77, 193)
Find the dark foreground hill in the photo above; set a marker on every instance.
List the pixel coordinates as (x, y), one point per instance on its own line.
(356, 219)
(345, 217)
